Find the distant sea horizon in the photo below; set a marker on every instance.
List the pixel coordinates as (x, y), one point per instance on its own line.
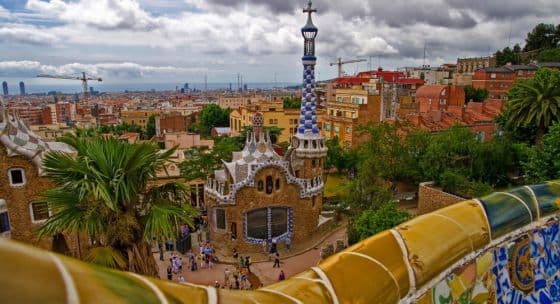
(13, 88)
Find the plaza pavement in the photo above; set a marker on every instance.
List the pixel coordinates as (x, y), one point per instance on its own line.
(263, 270)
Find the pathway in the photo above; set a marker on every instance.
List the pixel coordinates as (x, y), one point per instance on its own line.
(263, 270)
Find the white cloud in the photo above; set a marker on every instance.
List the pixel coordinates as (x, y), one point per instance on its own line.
(256, 37)
(122, 70)
(4, 13)
(21, 33)
(102, 14)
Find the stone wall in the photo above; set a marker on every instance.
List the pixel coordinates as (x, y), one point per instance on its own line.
(18, 200)
(305, 212)
(431, 198)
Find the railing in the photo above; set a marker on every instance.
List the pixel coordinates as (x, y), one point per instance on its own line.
(502, 248)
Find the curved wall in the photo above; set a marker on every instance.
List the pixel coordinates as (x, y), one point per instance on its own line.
(503, 248)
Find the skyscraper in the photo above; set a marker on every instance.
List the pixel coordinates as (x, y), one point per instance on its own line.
(21, 88)
(5, 88)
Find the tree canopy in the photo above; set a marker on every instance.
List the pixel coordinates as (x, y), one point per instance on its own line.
(213, 116)
(104, 192)
(543, 36)
(291, 103)
(544, 164)
(535, 102)
(509, 55)
(472, 94)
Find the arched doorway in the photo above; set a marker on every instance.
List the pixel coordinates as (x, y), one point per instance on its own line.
(59, 244)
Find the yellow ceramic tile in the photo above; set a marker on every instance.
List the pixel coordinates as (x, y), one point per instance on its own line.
(182, 293)
(469, 215)
(226, 296)
(437, 240)
(356, 279)
(29, 275)
(426, 298)
(384, 248)
(306, 287)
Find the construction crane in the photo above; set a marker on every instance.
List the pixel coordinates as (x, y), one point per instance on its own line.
(340, 63)
(84, 78)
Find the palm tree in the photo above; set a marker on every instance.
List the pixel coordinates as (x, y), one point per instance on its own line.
(105, 192)
(535, 102)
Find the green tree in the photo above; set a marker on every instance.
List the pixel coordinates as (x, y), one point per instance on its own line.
(543, 36)
(198, 163)
(103, 191)
(151, 127)
(213, 116)
(201, 162)
(535, 102)
(121, 129)
(472, 94)
(509, 55)
(549, 55)
(371, 222)
(337, 157)
(544, 164)
(291, 103)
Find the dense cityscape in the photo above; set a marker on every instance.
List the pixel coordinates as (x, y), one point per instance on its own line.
(415, 184)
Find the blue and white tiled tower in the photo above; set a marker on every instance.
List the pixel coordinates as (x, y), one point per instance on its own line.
(308, 150)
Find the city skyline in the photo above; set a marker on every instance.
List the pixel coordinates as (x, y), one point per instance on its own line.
(148, 41)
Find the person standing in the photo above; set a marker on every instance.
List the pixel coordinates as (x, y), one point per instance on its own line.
(288, 244)
(281, 276)
(160, 251)
(276, 261)
(226, 276)
(169, 273)
(181, 279)
(248, 263)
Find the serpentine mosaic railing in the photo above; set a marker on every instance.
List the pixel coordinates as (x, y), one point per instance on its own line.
(502, 248)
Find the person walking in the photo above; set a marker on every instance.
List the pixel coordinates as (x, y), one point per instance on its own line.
(276, 261)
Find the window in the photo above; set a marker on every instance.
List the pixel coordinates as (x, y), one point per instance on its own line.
(339, 99)
(327, 127)
(39, 211)
(331, 112)
(4, 220)
(493, 75)
(277, 184)
(17, 177)
(313, 163)
(260, 186)
(257, 226)
(279, 221)
(220, 219)
(348, 130)
(267, 223)
(269, 185)
(336, 128)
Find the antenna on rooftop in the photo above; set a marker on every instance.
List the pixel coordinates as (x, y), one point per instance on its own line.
(424, 62)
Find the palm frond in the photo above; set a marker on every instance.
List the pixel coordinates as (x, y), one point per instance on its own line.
(106, 256)
(164, 217)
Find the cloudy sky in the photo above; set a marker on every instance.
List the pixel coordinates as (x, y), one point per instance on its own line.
(134, 41)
